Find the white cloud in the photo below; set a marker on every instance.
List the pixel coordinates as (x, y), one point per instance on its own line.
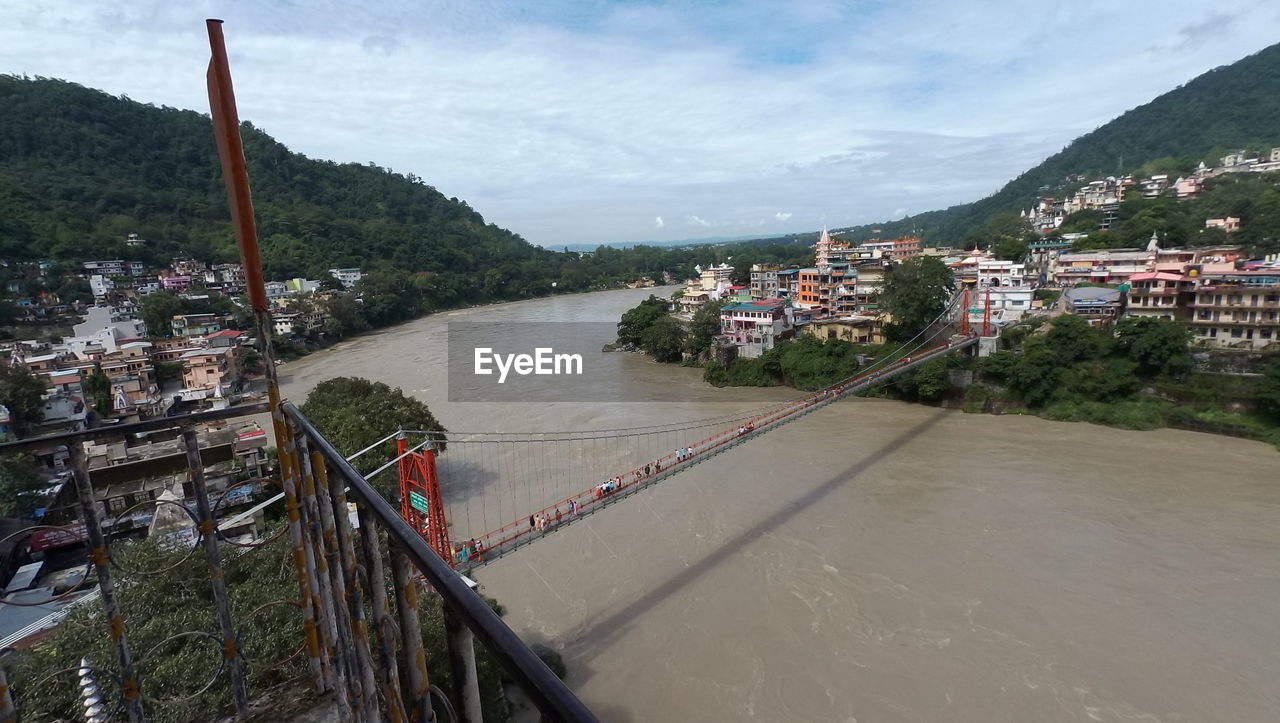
(568, 121)
(658, 222)
(899, 213)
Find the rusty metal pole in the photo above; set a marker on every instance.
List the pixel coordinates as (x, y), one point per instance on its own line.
(209, 537)
(235, 177)
(130, 689)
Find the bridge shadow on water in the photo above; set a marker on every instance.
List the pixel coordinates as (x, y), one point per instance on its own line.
(600, 634)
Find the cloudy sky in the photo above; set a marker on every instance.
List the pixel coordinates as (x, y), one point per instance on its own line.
(589, 121)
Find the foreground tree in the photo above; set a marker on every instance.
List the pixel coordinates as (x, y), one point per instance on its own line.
(157, 311)
(915, 293)
(704, 327)
(664, 340)
(1157, 346)
(1269, 389)
(353, 413)
(23, 394)
(637, 320)
(20, 486)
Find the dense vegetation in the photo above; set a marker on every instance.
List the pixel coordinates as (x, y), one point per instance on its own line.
(1135, 374)
(806, 364)
(79, 170)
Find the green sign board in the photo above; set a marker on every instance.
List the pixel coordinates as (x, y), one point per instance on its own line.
(418, 502)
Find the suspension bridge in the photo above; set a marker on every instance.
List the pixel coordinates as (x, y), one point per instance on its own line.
(479, 496)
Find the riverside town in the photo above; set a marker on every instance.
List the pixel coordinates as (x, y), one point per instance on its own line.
(639, 362)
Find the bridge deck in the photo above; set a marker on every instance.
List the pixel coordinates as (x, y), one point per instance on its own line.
(519, 534)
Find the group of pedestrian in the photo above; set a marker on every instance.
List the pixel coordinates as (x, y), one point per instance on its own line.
(538, 522)
(684, 453)
(746, 428)
(470, 550)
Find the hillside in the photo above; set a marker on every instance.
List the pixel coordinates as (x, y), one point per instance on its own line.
(80, 169)
(1231, 107)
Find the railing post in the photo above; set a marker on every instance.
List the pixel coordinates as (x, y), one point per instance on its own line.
(351, 576)
(462, 664)
(8, 714)
(382, 622)
(130, 689)
(209, 537)
(301, 559)
(322, 588)
(413, 671)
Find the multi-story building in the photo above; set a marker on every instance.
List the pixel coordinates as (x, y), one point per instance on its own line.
(115, 267)
(1239, 309)
(176, 283)
(754, 326)
(225, 278)
(714, 279)
(1230, 224)
(870, 281)
(347, 277)
(101, 286)
(905, 247)
(831, 290)
(1099, 266)
(195, 324)
(1098, 305)
(764, 281)
(984, 270)
(859, 329)
(1161, 295)
(188, 267)
(210, 368)
(788, 283)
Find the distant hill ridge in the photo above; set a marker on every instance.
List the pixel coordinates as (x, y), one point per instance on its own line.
(1231, 107)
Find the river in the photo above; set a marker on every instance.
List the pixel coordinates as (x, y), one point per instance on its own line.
(882, 561)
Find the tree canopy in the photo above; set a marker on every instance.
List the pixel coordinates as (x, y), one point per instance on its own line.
(353, 413)
(23, 394)
(915, 293)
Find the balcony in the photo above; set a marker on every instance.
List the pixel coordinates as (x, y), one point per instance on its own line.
(347, 628)
(1236, 322)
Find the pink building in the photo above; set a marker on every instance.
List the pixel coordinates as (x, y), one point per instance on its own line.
(176, 283)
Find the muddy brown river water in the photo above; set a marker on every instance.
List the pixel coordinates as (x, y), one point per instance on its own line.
(880, 561)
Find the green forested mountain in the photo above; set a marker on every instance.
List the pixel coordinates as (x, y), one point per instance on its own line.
(80, 169)
(1226, 109)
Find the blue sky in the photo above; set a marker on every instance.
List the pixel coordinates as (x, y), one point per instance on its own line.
(585, 122)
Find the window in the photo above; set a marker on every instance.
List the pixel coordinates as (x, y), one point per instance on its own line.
(1235, 333)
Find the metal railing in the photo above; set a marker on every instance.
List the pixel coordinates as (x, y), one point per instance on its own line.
(349, 579)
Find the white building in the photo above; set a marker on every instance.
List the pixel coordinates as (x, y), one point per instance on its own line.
(101, 286)
(110, 268)
(347, 277)
(715, 277)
